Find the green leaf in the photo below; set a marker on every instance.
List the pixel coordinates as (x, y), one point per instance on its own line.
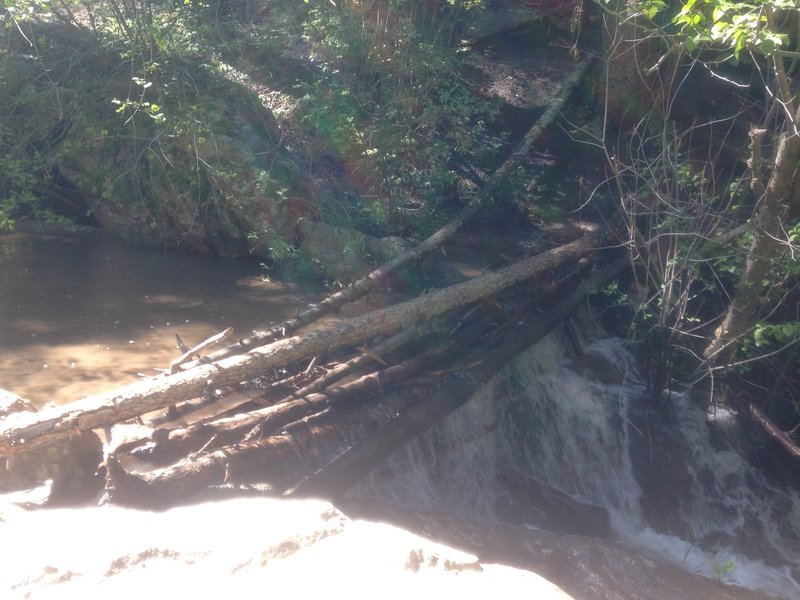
(652, 9)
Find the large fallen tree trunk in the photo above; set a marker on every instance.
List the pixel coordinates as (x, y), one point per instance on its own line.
(336, 447)
(26, 432)
(275, 460)
(169, 446)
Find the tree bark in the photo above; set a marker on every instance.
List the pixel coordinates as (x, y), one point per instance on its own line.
(26, 432)
(775, 432)
(172, 445)
(274, 461)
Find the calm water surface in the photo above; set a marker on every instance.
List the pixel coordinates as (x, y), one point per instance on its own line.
(83, 313)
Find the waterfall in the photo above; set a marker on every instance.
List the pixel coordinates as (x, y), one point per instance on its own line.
(572, 444)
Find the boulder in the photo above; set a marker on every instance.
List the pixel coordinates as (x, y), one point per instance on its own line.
(238, 548)
(342, 253)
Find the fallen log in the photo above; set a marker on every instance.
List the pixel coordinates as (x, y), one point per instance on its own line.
(164, 446)
(175, 443)
(184, 440)
(363, 286)
(366, 356)
(22, 432)
(169, 446)
(328, 452)
(273, 461)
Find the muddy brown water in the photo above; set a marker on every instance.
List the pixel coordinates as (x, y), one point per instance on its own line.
(82, 313)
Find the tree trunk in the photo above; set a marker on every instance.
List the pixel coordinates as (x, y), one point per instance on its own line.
(742, 314)
(168, 444)
(346, 470)
(172, 445)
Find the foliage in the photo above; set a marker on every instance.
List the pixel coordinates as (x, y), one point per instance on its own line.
(721, 570)
(370, 91)
(392, 104)
(740, 26)
(24, 168)
(698, 237)
(727, 25)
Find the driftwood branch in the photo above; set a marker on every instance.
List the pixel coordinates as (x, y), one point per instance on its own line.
(194, 351)
(775, 432)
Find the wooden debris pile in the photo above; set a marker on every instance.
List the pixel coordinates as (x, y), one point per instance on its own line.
(313, 412)
(303, 415)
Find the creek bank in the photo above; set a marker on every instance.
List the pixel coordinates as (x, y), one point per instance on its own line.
(197, 167)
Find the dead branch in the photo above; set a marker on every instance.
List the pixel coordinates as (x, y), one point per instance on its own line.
(775, 432)
(174, 366)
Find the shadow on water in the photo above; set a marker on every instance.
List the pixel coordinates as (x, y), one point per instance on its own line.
(81, 313)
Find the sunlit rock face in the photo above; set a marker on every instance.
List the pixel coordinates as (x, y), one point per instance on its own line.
(259, 547)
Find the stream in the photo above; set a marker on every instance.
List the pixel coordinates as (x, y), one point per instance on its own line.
(82, 313)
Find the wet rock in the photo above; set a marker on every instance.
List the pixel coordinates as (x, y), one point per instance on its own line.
(335, 252)
(276, 548)
(78, 457)
(343, 253)
(382, 250)
(501, 20)
(589, 569)
(532, 502)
